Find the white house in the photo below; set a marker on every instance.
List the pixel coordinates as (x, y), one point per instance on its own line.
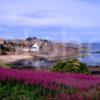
(35, 48)
(26, 49)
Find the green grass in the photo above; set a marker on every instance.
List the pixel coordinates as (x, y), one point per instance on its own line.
(13, 90)
(5, 65)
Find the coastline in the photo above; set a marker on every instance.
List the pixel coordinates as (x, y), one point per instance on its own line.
(13, 58)
(6, 60)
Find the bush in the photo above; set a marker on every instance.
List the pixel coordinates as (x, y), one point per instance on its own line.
(71, 65)
(4, 52)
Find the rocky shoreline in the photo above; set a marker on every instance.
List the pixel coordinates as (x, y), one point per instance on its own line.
(8, 60)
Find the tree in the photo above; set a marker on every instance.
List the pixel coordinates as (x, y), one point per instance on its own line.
(29, 39)
(4, 50)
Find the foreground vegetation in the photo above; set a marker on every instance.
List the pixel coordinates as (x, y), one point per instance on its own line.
(39, 85)
(71, 65)
(14, 90)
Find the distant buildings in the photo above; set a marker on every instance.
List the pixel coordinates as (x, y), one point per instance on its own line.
(25, 50)
(35, 48)
(38, 46)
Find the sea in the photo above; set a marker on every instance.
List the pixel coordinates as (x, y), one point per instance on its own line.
(92, 57)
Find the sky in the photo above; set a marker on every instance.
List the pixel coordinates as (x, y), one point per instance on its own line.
(57, 20)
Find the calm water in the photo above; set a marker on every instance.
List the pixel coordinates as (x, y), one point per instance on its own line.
(92, 58)
(40, 63)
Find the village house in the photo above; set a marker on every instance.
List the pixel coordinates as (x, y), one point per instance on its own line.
(25, 50)
(34, 47)
(19, 51)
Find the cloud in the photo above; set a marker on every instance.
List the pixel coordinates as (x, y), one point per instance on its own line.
(51, 16)
(38, 14)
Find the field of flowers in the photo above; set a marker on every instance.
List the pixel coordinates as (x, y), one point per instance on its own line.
(52, 85)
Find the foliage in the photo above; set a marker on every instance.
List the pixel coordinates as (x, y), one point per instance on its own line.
(4, 49)
(14, 90)
(40, 85)
(31, 38)
(5, 65)
(71, 65)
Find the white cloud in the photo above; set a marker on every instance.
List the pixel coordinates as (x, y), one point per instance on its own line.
(71, 13)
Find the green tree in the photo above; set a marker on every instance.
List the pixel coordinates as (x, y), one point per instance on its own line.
(71, 65)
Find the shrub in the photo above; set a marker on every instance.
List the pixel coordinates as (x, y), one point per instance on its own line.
(71, 65)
